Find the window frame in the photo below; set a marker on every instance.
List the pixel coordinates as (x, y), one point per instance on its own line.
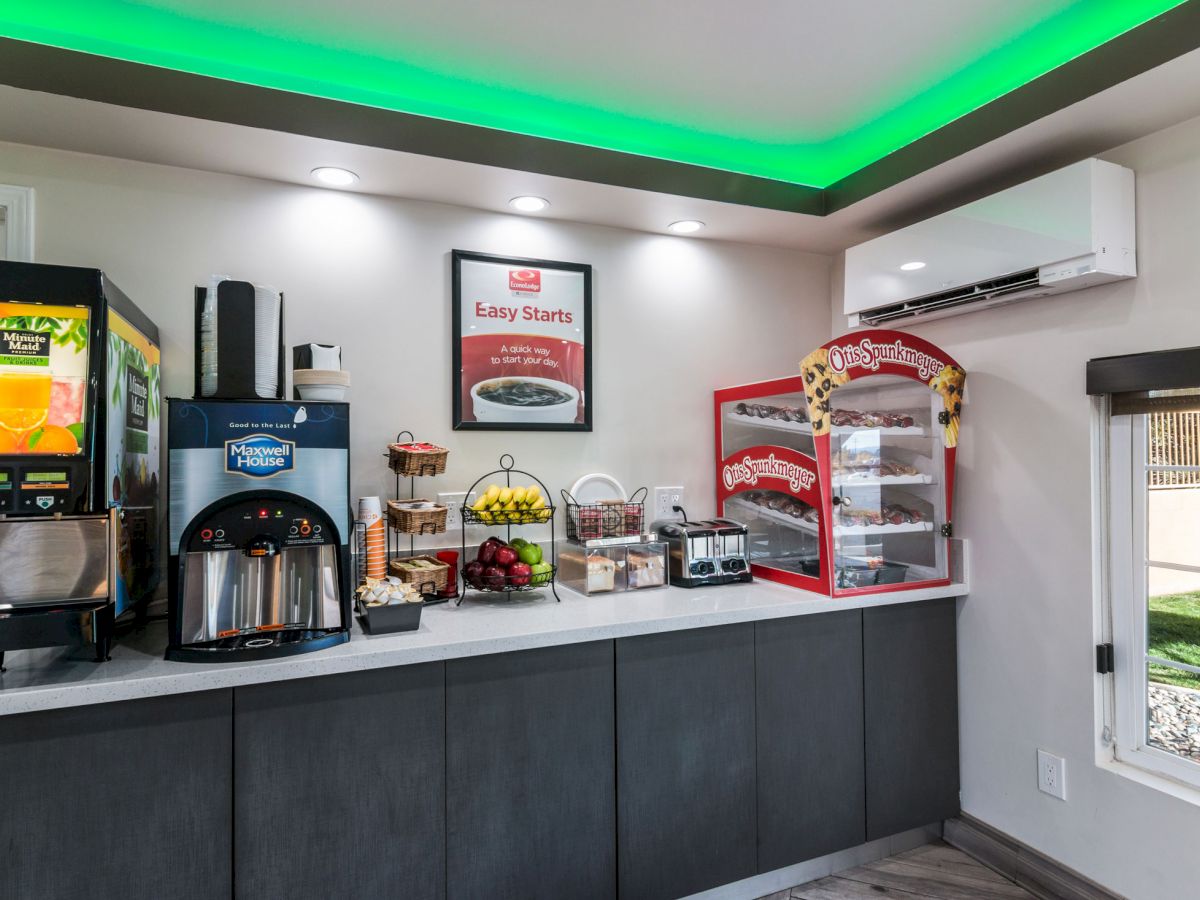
(1123, 574)
(18, 225)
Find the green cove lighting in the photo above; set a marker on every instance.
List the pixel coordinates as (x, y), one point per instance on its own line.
(334, 69)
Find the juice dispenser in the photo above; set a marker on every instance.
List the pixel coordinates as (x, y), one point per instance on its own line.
(79, 449)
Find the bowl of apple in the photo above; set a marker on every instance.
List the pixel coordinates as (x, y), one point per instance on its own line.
(506, 566)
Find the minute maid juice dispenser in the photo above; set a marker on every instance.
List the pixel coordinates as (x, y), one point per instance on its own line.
(79, 451)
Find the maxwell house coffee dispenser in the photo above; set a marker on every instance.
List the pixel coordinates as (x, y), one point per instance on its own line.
(260, 528)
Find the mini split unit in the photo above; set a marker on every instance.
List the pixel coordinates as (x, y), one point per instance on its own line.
(1071, 229)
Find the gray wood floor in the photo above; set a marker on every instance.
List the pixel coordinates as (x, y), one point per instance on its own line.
(933, 872)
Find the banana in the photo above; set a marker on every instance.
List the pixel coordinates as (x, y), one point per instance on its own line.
(518, 495)
(505, 496)
(493, 494)
(539, 503)
(480, 504)
(532, 493)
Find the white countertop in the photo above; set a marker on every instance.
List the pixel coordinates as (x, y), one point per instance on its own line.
(55, 678)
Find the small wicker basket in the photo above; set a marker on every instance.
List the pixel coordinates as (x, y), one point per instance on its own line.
(414, 459)
(430, 579)
(431, 520)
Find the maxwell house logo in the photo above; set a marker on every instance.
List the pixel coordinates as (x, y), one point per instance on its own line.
(259, 455)
(527, 280)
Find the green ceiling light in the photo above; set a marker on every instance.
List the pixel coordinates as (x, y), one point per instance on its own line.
(157, 35)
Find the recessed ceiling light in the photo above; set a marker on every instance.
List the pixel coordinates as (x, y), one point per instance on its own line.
(686, 226)
(912, 266)
(529, 204)
(334, 176)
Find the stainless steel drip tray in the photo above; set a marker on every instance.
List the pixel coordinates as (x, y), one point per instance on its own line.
(228, 595)
(48, 560)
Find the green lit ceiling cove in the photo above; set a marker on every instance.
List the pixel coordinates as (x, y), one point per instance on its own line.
(149, 56)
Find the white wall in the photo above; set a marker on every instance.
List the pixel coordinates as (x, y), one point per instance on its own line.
(673, 318)
(1023, 500)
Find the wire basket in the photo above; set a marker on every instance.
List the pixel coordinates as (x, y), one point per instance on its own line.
(407, 520)
(508, 584)
(605, 519)
(417, 458)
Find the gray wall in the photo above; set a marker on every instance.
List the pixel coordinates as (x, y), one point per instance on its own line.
(673, 318)
(1023, 499)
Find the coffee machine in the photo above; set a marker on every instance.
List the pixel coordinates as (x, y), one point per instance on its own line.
(79, 457)
(260, 528)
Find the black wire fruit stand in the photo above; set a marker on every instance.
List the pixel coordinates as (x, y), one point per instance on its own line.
(507, 519)
(428, 524)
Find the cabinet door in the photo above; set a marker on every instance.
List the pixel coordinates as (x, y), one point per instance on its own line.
(531, 794)
(340, 786)
(810, 737)
(127, 800)
(911, 692)
(685, 761)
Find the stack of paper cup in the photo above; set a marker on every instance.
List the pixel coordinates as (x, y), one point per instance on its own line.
(267, 307)
(370, 513)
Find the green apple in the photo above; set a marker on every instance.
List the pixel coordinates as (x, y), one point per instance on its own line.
(541, 573)
(531, 554)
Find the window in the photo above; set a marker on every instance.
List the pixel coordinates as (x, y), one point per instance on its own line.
(1150, 443)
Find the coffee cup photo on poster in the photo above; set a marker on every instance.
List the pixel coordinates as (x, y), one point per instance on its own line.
(522, 355)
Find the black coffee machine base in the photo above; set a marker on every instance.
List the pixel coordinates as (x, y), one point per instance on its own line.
(261, 645)
(59, 626)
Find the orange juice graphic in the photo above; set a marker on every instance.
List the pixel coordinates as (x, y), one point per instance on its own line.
(24, 402)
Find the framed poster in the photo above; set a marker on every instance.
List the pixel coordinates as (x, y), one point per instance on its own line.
(522, 355)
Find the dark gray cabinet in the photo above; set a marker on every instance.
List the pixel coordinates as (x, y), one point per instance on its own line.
(811, 779)
(654, 766)
(340, 787)
(126, 800)
(531, 793)
(911, 696)
(685, 761)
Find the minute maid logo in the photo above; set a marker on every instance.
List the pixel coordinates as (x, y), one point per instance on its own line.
(259, 456)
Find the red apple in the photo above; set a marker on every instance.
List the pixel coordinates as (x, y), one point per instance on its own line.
(519, 574)
(505, 556)
(487, 550)
(493, 577)
(473, 573)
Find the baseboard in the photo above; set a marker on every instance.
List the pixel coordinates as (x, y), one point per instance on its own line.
(780, 880)
(1037, 873)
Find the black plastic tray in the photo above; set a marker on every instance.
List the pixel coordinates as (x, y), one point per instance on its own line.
(391, 618)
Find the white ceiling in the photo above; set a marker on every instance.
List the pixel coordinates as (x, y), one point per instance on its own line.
(817, 69)
(1152, 101)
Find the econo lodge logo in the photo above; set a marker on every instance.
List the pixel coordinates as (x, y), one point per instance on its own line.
(528, 281)
(259, 455)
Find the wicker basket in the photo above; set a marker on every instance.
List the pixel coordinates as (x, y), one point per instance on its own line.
(427, 580)
(417, 459)
(416, 521)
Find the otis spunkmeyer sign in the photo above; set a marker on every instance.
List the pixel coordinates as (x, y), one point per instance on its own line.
(747, 470)
(870, 355)
(259, 455)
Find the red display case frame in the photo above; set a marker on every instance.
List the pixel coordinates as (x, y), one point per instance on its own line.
(838, 362)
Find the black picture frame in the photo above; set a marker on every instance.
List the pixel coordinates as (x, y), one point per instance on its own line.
(457, 259)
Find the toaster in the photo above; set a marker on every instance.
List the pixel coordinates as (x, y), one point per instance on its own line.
(713, 551)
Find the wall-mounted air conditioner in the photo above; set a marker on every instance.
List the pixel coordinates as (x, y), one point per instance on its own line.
(1067, 230)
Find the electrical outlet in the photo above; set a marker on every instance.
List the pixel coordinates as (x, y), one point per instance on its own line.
(665, 499)
(453, 504)
(1052, 775)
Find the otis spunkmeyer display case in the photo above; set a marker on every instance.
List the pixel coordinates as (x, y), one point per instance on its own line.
(844, 474)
